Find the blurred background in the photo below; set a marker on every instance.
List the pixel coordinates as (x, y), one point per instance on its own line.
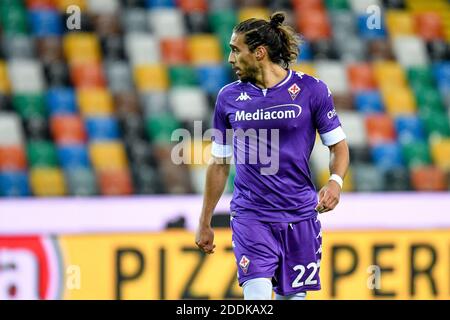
(92, 90)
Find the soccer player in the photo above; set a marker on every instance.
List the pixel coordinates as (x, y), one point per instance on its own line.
(276, 235)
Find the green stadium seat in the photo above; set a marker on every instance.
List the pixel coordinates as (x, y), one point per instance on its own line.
(336, 4)
(42, 154)
(419, 76)
(30, 105)
(435, 123)
(182, 75)
(428, 98)
(416, 154)
(159, 128)
(13, 17)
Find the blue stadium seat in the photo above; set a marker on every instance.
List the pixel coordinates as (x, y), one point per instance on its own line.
(366, 31)
(102, 128)
(409, 129)
(73, 156)
(387, 156)
(160, 3)
(305, 52)
(45, 23)
(61, 100)
(369, 102)
(212, 78)
(14, 184)
(442, 75)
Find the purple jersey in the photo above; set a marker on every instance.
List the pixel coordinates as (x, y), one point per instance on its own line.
(297, 107)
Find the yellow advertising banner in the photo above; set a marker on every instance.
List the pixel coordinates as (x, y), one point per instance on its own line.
(167, 265)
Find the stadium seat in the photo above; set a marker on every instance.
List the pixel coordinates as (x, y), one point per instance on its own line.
(160, 3)
(93, 102)
(42, 154)
(63, 4)
(366, 31)
(57, 74)
(410, 51)
(174, 51)
(397, 179)
(132, 127)
(140, 152)
(115, 182)
(304, 67)
(88, 75)
(360, 6)
(13, 18)
(380, 129)
(435, 123)
(5, 102)
(400, 23)
(440, 152)
(12, 158)
(335, 5)
(204, 49)
(81, 182)
(430, 26)
(19, 47)
(113, 47)
(367, 178)
(151, 77)
(108, 155)
(127, 102)
(11, 131)
(166, 23)
(102, 128)
(45, 23)
(14, 184)
(103, 6)
(73, 156)
(352, 50)
(146, 180)
(119, 76)
(360, 154)
(398, 101)
(343, 21)
(258, 12)
(135, 19)
(46, 182)
(428, 179)
(389, 74)
(40, 4)
(313, 24)
(334, 75)
(428, 98)
(212, 78)
(197, 22)
(61, 100)
(416, 153)
(361, 77)
(49, 49)
(81, 47)
(387, 156)
(353, 125)
(155, 103)
(380, 50)
(19, 69)
(183, 76)
(106, 24)
(195, 98)
(409, 129)
(369, 102)
(160, 128)
(220, 5)
(324, 49)
(36, 128)
(142, 48)
(5, 85)
(419, 76)
(438, 50)
(305, 52)
(68, 129)
(29, 105)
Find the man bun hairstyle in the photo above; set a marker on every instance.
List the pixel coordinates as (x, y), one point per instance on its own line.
(281, 41)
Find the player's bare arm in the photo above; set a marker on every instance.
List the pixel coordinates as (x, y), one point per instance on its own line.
(339, 161)
(216, 179)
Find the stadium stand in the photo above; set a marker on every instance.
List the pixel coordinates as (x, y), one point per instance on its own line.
(91, 111)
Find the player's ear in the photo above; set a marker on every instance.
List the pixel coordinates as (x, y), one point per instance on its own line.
(260, 53)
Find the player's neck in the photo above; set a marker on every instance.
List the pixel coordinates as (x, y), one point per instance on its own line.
(270, 75)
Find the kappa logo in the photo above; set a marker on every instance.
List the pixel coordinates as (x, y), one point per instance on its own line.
(294, 90)
(243, 97)
(244, 263)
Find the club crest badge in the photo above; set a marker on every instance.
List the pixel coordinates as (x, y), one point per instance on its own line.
(294, 90)
(244, 264)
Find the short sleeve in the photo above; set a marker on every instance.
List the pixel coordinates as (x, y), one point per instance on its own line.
(221, 145)
(326, 119)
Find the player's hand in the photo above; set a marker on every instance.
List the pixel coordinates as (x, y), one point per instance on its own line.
(204, 239)
(328, 197)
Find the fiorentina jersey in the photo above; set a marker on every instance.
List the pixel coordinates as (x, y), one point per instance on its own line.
(273, 132)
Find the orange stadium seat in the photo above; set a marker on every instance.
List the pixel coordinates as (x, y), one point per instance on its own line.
(151, 77)
(428, 179)
(361, 77)
(204, 49)
(12, 158)
(115, 182)
(174, 51)
(81, 47)
(193, 5)
(108, 155)
(430, 26)
(88, 75)
(47, 182)
(95, 102)
(68, 129)
(314, 24)
(304, 5)
(380, 129)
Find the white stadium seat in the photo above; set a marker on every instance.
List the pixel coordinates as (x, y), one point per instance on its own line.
(334, 74)
(142, 48)
(26, 76)
(410, 51)
(166, 23)
(353, 125)
(11, 132)
(188, 104)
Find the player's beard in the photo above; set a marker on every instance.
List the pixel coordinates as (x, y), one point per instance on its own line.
(248, 74)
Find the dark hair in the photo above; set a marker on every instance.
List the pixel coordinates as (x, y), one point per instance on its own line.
(281, 41)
